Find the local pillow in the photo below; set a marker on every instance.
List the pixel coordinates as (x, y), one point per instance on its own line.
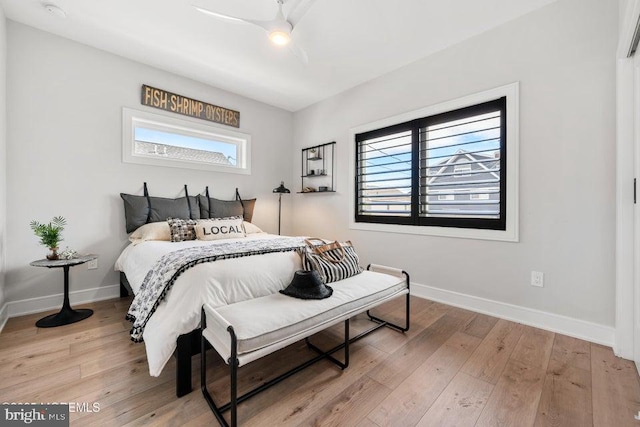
(151, 231)
(251, 228)
(182, 229)
(219, 228)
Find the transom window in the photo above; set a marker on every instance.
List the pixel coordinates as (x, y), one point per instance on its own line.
(445, 170)
(167, 141)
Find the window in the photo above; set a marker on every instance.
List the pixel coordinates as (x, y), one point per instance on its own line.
(479, 197)
(441, 172)
(168, 141)
(460, 169)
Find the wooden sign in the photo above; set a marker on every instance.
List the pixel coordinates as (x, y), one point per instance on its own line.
(179, 104)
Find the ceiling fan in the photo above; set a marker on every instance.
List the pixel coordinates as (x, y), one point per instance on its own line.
(279, 29)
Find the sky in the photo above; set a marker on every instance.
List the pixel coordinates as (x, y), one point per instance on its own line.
(177, 140)
(477, 133)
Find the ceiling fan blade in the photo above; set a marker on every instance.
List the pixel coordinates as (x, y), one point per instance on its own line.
(299, 53)
(262, 24)
(219, 15)
(299, 10)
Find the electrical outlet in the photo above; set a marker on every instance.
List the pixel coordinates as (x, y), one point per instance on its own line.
(93, 264)
(537, 279)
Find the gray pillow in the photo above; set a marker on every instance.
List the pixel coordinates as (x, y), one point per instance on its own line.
(162, 208)
(219, 208)
(136, 211)
(203, 202)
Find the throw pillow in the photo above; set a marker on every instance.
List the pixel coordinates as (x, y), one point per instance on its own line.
(136, 211)
(251, 228)
(247, 206)
(151, 231)
(182, 229)
(217, 229)
(162, 208)
(219, 208)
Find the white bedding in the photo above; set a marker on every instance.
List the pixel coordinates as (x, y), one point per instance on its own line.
(217, 283)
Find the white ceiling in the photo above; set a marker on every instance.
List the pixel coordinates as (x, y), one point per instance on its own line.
(348, 41)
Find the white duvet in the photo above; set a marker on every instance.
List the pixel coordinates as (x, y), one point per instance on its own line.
(217, 283)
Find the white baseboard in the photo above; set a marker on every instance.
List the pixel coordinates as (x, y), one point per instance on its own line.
(4, 315)
(576, 328)
(52, 302)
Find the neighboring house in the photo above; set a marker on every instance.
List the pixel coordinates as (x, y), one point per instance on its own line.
(389, 199)
(180, 153)
(465, 183)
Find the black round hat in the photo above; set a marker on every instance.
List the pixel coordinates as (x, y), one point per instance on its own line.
(307, 285)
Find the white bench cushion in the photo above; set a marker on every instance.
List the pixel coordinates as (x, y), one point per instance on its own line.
(266, 324)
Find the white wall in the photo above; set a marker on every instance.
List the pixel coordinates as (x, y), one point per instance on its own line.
(65, 104)
(3, 158)
(623, 5)
(563, 55)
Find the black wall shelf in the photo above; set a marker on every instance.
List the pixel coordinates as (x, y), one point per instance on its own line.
(318, 169)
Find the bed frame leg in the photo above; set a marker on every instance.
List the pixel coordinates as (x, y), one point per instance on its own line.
(183, 365)
(125, 287)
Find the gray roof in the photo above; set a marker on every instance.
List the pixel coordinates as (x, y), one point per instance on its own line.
(180, 153)
(487, 169)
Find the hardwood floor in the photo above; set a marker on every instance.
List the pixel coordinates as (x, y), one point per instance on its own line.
(453, 368)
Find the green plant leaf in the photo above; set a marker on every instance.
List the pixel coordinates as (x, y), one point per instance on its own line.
(49, 234)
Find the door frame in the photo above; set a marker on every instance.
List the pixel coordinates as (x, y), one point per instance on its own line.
(627, 266)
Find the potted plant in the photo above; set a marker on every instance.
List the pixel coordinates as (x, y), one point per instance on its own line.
(50, 234)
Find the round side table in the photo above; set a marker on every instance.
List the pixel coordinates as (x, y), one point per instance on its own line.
(67, 314)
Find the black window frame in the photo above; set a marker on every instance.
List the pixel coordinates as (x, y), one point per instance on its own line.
(415, 126)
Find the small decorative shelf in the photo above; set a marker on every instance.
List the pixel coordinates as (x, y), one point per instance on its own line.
(317, 169)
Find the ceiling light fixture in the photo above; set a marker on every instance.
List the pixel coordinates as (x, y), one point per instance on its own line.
(55, 10)
(279, 29)
(280, 37)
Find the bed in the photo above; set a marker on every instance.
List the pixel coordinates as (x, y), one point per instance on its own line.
(173, 327)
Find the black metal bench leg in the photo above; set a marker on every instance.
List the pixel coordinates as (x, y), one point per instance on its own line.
(346, 344)
(404, 328)
(327, 354)
(203, 378)
(233, 367)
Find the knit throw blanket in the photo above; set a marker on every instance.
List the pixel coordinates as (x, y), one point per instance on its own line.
(169, 267)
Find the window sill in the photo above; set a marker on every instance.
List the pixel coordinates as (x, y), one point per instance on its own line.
(508, 235)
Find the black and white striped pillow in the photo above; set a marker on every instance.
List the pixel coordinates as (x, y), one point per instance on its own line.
(333, 271)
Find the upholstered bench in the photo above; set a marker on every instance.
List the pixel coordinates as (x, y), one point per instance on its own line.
(246, 331)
